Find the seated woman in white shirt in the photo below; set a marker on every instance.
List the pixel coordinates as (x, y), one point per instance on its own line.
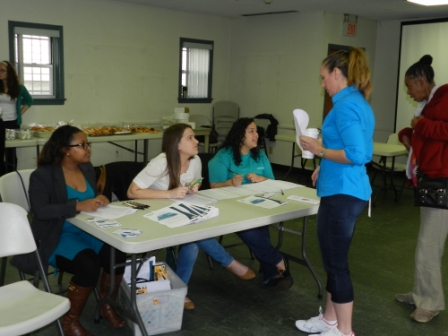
(168, 176)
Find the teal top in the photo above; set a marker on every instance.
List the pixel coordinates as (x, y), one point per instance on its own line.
(73, 240)
(222, 167)
(24, 98)
(348, 126)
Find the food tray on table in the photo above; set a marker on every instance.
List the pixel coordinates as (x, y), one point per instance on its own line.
(105, 130)
(42, 131)
(143, 129)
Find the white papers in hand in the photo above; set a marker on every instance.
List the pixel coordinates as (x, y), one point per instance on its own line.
(301, 120)
(110, 212)
(182, 213)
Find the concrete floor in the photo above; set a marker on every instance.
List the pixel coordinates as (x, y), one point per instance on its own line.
(381, 262)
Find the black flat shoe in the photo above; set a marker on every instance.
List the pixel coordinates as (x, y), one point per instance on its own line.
(281, 282)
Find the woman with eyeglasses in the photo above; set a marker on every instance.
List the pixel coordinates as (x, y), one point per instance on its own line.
(14, 102)
(63, 185)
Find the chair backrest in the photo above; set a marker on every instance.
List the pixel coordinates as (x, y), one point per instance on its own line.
(11, 189)
(225, 113)
(16, 236)
(200, 120)
(205, 158)
(118, 177)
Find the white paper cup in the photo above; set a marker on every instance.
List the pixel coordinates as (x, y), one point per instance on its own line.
(313, 133)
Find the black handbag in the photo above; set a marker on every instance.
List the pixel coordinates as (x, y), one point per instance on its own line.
(431, 193)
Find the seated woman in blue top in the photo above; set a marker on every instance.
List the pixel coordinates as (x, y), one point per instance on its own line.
(240, 161)
(168, 176)
(62, 186)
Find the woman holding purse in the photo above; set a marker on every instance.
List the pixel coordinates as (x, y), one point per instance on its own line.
(427, 141)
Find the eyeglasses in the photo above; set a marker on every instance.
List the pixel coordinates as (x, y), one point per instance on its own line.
(84, 145)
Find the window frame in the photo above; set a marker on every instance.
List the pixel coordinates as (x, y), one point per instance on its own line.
(57, 55)
(208, 99)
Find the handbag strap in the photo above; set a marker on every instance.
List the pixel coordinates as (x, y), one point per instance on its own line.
(24, 189)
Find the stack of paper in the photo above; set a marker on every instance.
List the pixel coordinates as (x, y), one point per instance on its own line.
(182, 213)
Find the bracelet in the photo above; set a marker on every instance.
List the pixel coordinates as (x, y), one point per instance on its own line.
(322, 152)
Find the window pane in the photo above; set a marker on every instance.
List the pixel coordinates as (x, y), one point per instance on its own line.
(195, 73)
(36, 49)
(37, 80)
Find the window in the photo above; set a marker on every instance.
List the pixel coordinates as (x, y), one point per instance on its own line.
(36, 51)
(195, 71)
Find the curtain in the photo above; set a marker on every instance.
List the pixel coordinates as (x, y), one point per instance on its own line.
(198, 73)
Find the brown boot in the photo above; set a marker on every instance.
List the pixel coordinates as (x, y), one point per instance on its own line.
(70, 321)
(107, 311)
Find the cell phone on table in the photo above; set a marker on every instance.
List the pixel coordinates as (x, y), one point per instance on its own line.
(192, 184)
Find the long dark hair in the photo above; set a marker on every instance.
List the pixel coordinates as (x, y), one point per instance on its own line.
(422, 69)
(53, 150)
(12, 81)
(170, 146)
(235, 139)
(354, 66)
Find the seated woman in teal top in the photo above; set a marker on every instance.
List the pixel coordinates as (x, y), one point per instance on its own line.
(73, 240)
(240, 161)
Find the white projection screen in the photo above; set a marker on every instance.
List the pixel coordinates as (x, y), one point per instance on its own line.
(418, 39)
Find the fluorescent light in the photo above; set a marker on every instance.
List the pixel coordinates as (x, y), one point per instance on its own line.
(430, 2)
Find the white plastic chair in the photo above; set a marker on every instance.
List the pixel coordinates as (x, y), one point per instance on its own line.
(398, 168)
(11, 191)
(225, 113)
(23, 307)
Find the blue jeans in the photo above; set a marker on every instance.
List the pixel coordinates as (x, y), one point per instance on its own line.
(336, 221)
(189, 252)
(259, 243)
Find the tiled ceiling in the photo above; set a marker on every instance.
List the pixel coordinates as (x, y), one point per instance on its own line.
(370, 9)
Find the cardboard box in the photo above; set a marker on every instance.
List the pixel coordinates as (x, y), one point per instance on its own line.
(161, 311)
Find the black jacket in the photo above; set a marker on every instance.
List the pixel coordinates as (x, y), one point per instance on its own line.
(50, 206)
(271, 131)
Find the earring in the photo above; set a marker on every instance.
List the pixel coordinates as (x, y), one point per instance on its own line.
(68, 153)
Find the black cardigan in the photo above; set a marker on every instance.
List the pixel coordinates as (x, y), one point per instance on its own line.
(50, 206)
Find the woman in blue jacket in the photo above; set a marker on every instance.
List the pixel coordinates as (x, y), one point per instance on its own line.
(342, 181)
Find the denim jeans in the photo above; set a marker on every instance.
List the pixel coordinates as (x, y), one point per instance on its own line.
(259, 243)
(189, 252)
(336, 221)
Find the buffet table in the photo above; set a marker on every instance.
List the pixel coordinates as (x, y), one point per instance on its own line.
(112, 139)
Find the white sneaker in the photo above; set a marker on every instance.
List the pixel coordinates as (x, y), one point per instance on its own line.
(332, 332)
(315, 324)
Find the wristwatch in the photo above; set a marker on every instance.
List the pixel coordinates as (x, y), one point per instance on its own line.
(322, 152)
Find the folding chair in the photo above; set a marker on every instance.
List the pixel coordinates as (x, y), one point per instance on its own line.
(23, 307)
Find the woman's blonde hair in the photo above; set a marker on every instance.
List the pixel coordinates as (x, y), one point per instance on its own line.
(354, 66)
